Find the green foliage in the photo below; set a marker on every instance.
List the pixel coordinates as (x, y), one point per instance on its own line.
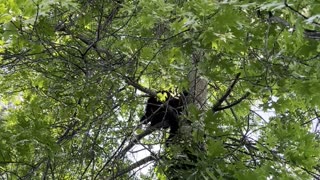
(68, 106)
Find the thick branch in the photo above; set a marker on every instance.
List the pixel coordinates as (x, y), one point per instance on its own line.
(312, 34)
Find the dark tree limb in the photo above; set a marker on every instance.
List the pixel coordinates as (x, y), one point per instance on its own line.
(311, 34)
(122, 152)
(217, 105)
(233, 103)
(138, 86)
(297, 12)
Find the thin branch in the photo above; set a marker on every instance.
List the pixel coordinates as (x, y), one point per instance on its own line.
(137, 138)
(133, 166)
(141, 88)
(233, 103)
(297, 12)
(224, 97)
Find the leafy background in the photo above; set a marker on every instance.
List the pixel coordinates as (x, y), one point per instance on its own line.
(67, 108)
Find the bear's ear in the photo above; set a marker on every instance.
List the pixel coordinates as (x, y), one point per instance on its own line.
(185, 93)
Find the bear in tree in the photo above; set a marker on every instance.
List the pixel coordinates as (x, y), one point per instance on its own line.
(166, 112)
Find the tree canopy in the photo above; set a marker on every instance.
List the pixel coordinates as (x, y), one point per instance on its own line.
(75, 75)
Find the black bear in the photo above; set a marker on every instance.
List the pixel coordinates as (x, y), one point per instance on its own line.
(166, 112)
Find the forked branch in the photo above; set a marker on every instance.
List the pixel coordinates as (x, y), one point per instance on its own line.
(217, 106)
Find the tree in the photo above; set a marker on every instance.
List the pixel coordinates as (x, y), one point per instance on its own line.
(75, 74)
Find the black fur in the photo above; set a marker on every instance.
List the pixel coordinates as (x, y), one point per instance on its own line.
(166, 112)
